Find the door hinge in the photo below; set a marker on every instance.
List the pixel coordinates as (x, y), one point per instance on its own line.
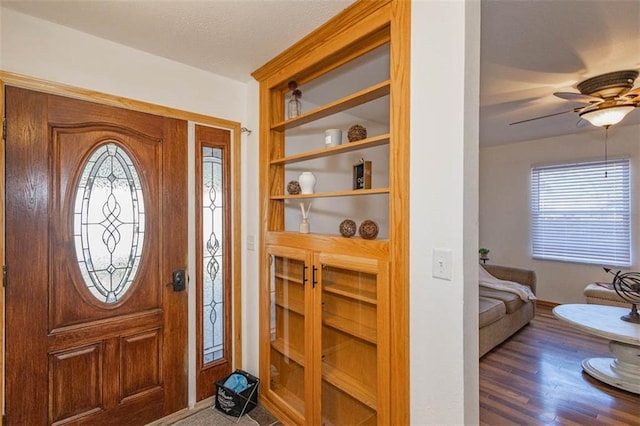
(4, 276)
(4, 129)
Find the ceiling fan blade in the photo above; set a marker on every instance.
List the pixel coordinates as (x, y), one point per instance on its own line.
(581, 123)
(543, 116)
(577, 97)
(632, 93)
(587, 109)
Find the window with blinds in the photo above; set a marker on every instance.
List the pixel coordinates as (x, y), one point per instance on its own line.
(580, 212)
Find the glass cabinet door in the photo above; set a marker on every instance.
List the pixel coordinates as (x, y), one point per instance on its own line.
(288, 279)
(349, 341)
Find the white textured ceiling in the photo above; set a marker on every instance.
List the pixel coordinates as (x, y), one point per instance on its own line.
(529, 49)
(228, 37)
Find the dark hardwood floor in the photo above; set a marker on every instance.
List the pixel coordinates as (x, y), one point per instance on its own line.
(536, 378)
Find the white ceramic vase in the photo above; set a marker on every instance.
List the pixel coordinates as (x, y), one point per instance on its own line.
(307, 182)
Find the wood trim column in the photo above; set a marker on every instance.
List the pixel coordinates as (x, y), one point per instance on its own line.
(2, 237)
(399, 208)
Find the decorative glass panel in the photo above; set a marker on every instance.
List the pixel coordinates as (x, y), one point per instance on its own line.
(212, 232)
(109, 222)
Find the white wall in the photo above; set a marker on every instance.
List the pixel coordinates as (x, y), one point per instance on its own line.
(504, 204)
(444, 140)
(251, 229)
(37, 48)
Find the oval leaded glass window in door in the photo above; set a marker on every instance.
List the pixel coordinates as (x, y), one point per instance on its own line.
(109, 222)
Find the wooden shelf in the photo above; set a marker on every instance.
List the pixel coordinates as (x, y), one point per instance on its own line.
(349, 193)
(369, 94)
(288, 278)
(352, 328)
(292, 399)
(349, 385)
(286, 350)
(340, 149)
(343, 290)
(290, 304)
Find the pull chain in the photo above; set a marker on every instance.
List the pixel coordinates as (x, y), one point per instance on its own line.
(606, 139)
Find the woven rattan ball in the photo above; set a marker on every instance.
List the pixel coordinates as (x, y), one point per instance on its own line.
(368, 230)
(356, 133)
(347, 228)
(293, 187)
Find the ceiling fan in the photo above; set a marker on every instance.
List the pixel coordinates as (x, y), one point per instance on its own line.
(608, 97)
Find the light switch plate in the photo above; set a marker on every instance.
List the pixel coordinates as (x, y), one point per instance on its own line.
(442, 258)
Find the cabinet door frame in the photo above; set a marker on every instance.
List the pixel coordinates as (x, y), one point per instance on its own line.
(380, 268)
(305, 256)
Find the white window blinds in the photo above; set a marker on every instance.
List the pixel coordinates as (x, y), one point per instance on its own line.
(580, 212)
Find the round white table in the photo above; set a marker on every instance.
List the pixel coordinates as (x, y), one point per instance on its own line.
(622, 371)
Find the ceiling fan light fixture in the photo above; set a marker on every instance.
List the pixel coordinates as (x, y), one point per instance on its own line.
(605, 117)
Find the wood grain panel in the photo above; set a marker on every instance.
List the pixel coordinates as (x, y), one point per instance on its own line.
(45, 153)
(2, 232)
(108, 328)
(174, 227)
(330, 244)
(75, 382)
(399, 226)
(72, 146)
(26, 165)
(140, 362)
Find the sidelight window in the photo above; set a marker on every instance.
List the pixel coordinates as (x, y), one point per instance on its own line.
(212, 233)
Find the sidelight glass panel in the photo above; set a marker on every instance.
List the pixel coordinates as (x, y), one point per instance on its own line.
(109, 220)
(212, 237)
(287, 343)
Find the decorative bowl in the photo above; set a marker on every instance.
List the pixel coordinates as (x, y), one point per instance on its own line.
(356, 133)
(293, 187)
(347, 228)
(368, 230)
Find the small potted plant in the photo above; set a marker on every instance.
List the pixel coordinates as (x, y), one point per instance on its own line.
(484, 254)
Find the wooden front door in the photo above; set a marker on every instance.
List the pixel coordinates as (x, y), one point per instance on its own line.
(96, 225)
